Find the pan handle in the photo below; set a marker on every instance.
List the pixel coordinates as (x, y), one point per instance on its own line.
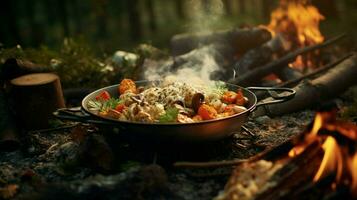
(286, 94)
(78, 115)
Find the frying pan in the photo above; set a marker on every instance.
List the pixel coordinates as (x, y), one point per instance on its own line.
(208, 130)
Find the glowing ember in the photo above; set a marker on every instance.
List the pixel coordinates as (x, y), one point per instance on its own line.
(298, 22)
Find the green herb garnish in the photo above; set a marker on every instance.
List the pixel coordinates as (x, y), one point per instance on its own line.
(110, 104)
(219, 88)
(169, 116)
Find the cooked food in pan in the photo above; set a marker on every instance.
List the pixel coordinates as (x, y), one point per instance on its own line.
(169, 102)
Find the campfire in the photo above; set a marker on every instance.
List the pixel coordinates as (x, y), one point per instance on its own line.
(297, 22)
(324, 155)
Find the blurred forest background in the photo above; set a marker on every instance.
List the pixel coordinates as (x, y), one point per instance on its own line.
(109, 25)
(77, 38)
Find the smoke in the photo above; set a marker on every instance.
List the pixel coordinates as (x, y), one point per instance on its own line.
(205, 14)
(197, 66)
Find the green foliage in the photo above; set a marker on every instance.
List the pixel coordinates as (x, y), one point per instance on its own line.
(74, 62)
(169, 116)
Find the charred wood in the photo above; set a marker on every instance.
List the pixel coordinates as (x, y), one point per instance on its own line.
(255, 75)
(288, 73)
(259, 56)
(240, 39)
(329, 85)
(293, 82)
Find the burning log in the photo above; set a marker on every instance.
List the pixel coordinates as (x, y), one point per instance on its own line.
(240, 39)
(259, 56)
(329, 85)
(288, 73)
(257, 74)
(35, 97)
(293, 82)
(316, 159)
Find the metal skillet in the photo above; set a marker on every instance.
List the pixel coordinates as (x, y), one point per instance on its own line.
(208, 130)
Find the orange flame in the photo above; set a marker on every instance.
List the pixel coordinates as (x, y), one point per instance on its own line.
(337, 160)
(332, 160)
(298, 22)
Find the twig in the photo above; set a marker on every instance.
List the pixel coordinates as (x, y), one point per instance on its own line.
(314, 73)
(259, 72)
(212, 164)
(54, 129)
(245, 129)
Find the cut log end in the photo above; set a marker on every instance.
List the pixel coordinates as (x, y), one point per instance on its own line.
(35, 97)
(34, 79)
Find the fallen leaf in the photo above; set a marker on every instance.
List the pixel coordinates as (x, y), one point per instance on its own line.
(8, 191)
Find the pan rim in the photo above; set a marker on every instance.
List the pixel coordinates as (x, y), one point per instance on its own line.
(86, 99)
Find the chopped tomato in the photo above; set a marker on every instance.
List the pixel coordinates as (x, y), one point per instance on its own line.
(240, 101)
(127, 85)
(207, 112)
(103, 96)
(120, 107)
(229, 97)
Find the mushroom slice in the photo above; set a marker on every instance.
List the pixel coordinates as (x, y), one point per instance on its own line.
(197, 100)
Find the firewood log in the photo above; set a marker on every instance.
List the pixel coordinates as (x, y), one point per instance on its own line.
(260, 55)
(255, 75)
(35, 97)
(240, 39)
(309, 93)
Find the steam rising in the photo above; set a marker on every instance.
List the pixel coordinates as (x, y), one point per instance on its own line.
(197, 66)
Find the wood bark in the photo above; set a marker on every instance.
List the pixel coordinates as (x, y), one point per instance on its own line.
(327, 86)
(35, 97)
(255, 75)
(260, 55)
(288, 73)
(240, 39)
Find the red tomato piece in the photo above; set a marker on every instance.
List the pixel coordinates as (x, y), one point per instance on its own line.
(120, 107)
(103, 96)
(207, 112)
(240, 100)
(229, 97)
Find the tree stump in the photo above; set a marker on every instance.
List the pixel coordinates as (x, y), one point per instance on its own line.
(35, 97)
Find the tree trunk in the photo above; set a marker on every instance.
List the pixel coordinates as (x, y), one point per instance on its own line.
(9, 27)
(242, 6)
(179, 7)
(63, 15)
(152, 16)
(134, 19)
(228, 7)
